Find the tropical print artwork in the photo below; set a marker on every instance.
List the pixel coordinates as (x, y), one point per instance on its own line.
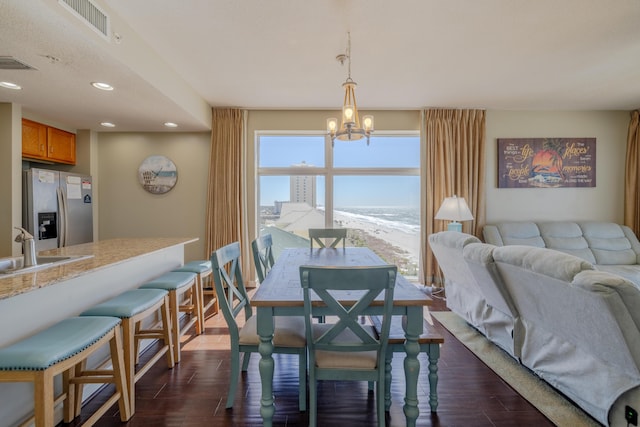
(546, 162)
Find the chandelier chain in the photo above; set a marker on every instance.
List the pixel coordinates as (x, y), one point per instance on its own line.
(349, 56)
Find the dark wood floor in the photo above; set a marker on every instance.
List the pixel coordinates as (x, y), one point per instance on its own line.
(194, 392)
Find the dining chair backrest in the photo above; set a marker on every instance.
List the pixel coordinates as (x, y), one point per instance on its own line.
(262, 255)
(327, 283)
(230, 289)
(318, 234)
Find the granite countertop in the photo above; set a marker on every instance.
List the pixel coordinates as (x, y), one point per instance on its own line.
(103, 253)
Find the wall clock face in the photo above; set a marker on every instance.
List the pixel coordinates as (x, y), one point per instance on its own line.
(157, 174)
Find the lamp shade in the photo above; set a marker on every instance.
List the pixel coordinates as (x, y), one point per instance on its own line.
(454, 209)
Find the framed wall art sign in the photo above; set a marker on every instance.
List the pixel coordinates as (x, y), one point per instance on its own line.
(157, 174)
(546, 162)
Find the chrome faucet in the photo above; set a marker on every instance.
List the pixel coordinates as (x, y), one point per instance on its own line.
(28, 247)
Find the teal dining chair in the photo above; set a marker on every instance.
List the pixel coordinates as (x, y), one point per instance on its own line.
(263, 259)
(347, 349)
(318, 234)
(289, 335)
(262, 255)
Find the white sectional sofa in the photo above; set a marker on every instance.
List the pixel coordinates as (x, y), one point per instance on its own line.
(468, 287)
(609, 246)
(574, 326)
(580, 328)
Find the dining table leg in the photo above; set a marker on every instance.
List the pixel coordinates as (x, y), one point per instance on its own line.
(266, 364)
(413, 330)
(434, 355)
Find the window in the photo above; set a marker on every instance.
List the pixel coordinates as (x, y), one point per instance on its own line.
(373, 191)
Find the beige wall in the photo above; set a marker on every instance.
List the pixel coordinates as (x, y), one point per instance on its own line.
(604, 202)
(10, 177)
(127, 210)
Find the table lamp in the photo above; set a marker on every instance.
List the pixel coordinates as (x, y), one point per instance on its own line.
(454, 209)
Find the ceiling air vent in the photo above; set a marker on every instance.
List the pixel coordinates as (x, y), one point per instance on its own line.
(11, 63)
(90, 14)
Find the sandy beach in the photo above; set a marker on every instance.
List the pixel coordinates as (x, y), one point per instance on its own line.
(408, 243)
(393, 240)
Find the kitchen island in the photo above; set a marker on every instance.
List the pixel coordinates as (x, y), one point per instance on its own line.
(30, 302)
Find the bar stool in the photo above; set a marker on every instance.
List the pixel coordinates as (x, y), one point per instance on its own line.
(64, 348)
(184, 297)
(203, 270)
(132, 307)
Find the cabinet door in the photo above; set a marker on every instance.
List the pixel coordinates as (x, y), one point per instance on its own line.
(34, 139)
(61, 146)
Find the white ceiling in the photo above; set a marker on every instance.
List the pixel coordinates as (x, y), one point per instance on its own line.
(173, 60)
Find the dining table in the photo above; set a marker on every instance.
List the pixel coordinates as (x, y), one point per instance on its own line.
(280, 294)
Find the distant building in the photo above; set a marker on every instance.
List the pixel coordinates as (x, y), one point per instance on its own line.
(277, 206)
(303, 187)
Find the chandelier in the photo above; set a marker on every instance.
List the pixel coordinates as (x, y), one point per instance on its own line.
(350, 129)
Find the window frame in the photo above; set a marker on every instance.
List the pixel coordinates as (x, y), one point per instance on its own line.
(328, 170)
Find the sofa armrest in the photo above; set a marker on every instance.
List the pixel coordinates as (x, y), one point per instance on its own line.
(479, 259)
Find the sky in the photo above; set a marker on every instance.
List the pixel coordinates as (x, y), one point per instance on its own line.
(382, 190)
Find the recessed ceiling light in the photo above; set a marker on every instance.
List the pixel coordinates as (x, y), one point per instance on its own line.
(108, 124)
(10, 85)
(171, 125)
(102, 86)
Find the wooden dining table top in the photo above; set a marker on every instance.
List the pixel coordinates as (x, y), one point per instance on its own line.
(281, 287)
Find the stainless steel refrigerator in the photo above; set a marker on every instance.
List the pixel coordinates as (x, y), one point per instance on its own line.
(57, 208)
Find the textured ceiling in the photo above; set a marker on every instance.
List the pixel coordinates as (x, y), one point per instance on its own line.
(172, 61)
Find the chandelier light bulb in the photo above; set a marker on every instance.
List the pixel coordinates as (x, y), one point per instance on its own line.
(368, 123)
(348, 114)
(332, 125)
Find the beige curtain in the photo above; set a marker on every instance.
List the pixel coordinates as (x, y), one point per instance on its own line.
(454, 143)
(632, 175)
(226, 207)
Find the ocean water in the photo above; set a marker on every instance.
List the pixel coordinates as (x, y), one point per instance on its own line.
(401, 218)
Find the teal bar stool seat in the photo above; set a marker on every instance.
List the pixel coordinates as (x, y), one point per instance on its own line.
(184, 297)
(203, 271)
(63, 349)
(132, 307)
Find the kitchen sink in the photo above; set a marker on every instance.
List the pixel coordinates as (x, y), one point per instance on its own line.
(14, 265)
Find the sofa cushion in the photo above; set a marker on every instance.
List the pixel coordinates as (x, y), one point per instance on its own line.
(520, 233)
(548, 262)
(633, 239)
(630, 272)
(608, 243)
(567, 237)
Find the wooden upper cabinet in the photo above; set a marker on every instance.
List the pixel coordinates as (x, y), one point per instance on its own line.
(34, 139)
(48, 144)
(61, 146)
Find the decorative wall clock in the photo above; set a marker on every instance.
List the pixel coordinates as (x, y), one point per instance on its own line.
(157, 174)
